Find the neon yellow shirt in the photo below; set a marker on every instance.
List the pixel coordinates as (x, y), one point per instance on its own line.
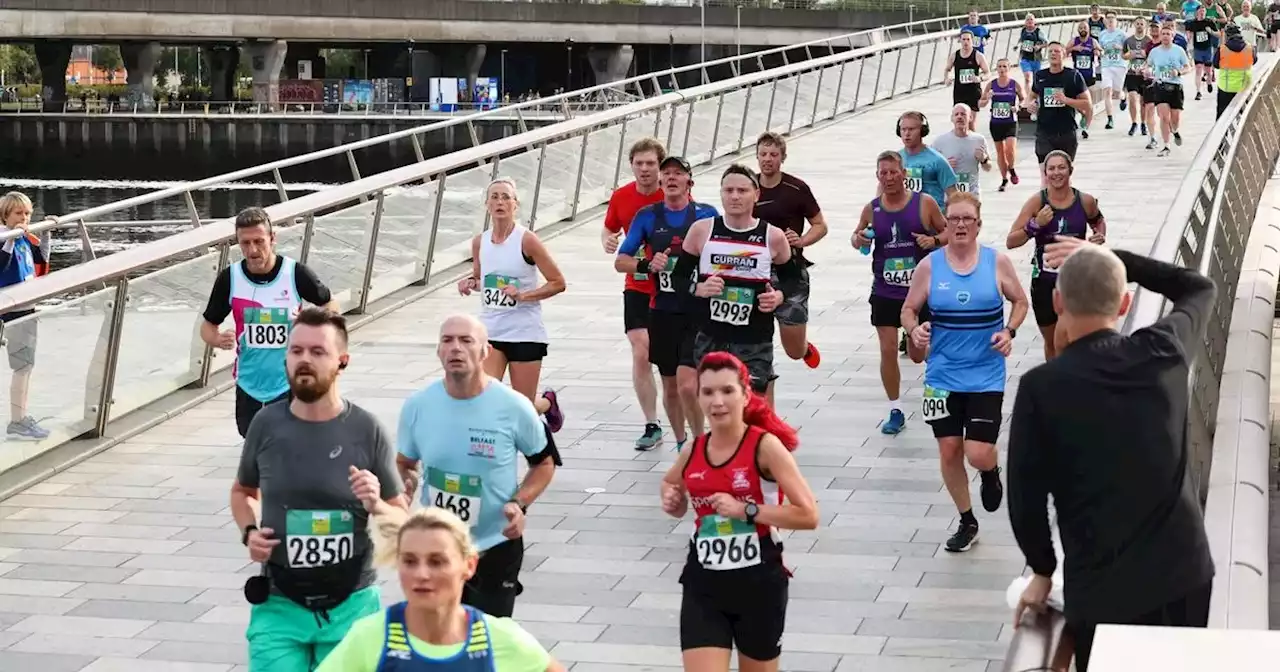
(514, 649)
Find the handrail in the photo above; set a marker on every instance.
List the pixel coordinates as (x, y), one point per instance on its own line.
(637, 84)
(1210, 227)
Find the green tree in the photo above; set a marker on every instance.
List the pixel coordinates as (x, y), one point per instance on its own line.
(343, 63)
(187, 59)
(107, 57)
(18, 61)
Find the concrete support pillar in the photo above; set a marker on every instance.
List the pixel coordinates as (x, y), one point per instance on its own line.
(472, 61)
(221, 62)
(303, 51)
(266, 60)
(53, 57)
(425, 65)
(140, 64)
(610, 63)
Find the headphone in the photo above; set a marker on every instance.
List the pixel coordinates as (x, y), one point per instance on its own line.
(924, 124)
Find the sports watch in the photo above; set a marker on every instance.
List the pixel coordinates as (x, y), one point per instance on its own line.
(752, 511)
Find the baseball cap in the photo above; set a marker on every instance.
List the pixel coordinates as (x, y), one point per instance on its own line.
(1232, 29)
(679, 161)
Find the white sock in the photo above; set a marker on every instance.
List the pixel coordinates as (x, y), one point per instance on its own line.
(894, 405)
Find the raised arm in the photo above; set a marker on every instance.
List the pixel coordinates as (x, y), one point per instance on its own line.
(1192, 295)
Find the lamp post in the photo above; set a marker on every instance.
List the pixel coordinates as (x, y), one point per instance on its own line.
(568, 46)
(737, 31)
(702, 26)
(502, 77)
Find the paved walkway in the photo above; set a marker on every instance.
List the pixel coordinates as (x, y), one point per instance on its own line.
(130, 561)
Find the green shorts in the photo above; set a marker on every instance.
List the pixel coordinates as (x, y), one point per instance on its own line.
(284, 636)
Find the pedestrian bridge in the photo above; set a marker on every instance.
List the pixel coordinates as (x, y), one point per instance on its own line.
(117, 529)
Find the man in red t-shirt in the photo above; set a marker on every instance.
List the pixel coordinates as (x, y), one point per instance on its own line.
(646, 155)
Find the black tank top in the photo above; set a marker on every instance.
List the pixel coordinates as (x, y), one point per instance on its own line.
(744, 261)
(968, 75)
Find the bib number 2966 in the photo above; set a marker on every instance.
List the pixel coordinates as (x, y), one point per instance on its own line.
(727, 543)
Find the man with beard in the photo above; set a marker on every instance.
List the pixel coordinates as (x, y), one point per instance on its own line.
(466, 429)
(317, 468)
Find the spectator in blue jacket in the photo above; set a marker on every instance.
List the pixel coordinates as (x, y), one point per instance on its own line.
(22, 258)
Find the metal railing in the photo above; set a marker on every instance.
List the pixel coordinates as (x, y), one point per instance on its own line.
(1208, 228)
(132, 338)
(241, 108)
(644, 87)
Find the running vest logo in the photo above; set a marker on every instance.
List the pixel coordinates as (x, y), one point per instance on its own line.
(1062, 225)
(704, 502)
(740, 480)
(696, 476)
(333, 454)
(738, 261)
(944, 286)
(482, 444)
(963, 297)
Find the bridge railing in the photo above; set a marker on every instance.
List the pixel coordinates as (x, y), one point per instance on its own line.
(98, 106)
(1210, 227)
(644, 87)
(126, 324)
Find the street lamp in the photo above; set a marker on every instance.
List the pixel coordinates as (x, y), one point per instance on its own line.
(502, 78)
(702, 24)
(737, 31)
(568, 46)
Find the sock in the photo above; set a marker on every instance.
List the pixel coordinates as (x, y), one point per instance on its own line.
(967, 518)
(895, 405)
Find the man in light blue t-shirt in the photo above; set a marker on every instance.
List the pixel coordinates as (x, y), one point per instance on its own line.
(927, 171)
(466, 430)
(1169, 63)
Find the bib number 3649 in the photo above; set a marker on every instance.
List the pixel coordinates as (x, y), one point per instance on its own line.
(727, 543)
(934, 404)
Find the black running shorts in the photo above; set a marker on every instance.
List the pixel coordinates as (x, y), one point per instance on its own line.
(1169, 94)
(1066, 142)
(496, 583)
(671, 341)
(247, 407)
(1003, 131)
(886, 312)
(1042, 300)
(757, 356)
(795, 300)
(751, 618)
(635, 310)
(973, 416)
(524, 351)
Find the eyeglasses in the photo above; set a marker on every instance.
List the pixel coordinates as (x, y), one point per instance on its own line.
(501, 196)
(961, 219)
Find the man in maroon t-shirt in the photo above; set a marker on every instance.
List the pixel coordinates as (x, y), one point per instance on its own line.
(646, 155)
(786, 202)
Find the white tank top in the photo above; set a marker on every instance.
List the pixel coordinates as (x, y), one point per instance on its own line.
(503, 264)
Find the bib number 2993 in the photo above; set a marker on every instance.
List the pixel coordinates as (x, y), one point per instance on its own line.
(734, 306)
(727, 543)
(934, 405)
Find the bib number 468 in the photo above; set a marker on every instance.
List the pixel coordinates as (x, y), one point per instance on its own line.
(457, 505)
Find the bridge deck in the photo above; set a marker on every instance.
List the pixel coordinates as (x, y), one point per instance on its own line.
(134, 554)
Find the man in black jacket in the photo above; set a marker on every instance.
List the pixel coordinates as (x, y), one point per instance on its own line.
(1102, 428)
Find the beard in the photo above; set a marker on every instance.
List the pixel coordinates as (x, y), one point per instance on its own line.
(314, 389)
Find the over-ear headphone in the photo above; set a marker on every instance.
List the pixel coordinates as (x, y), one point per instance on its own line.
(924, 124)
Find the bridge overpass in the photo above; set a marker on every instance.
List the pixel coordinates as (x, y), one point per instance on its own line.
(125, 539)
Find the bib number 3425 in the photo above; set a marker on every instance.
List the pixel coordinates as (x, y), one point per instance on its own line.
(934, 405)
(727, 543)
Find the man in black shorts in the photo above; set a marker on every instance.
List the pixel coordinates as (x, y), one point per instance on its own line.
(968, 68)
(1135, 78)
(1058, 92)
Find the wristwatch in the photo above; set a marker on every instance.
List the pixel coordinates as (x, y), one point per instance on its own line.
(1013, 333)
(524, 508)
(244, 536)
(752, 511)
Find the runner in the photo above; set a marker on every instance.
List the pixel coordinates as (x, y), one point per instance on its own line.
(1250, 27)
(964, 285)
(1005, 95)
(927, 171)
(645, 156)
(1178, 38)
(1273, 25)
(1135, 82)
(1235, 60)
(1084, 52)
(505, 263)
(1058, 210)
(262, 293)
(432, 629)
(1060, 93)
(905, 226)
(1161, 15)
(660, 230)
(786, 202)
(1031, 43)
(1189, 9)
(317, 574)
(1170, 64)
(734, 583)
(23, 258)
(1097, 23)
(973, 26)
(1201, 29)
(1220, 14)
(1112, 66)
(964, 151)
(969, 68)
(467, 429)
(1149, 93)
(734, 258)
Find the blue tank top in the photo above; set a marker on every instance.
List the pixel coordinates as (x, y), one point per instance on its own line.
(399, 656)
(967, 311)
(1069, 221)
(894, 259)
(1004, 100)
(1082, 61)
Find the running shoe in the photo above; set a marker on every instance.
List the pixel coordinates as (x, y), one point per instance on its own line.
(1144, 129)
(1013, 176)
(894, 423)
(1084, 133)
(679, 445)
(1177, 138)
(27, 428)
(992, 489)
(1198, 95)
(1124, 104)
(902, 344)
(1163, 152)
(1111, 123)
(1210, 87)
(1004, 184)
(1152, 144)
(812, 358)
(964, 539)
(651, 438)
(1133, 128)
(555, 417)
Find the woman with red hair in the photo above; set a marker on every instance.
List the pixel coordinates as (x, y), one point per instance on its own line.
(735, 587)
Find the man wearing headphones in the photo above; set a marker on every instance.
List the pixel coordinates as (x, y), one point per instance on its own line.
(1060, 92)
(927, 171)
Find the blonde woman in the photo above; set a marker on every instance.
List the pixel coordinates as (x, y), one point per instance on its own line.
(21, 259)
(432, 629)
(506, 261)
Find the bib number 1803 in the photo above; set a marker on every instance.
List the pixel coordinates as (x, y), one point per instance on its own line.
(266, 335)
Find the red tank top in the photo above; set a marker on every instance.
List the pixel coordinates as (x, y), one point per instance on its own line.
(721, 543)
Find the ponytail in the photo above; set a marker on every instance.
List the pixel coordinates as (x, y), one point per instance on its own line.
(757, 412)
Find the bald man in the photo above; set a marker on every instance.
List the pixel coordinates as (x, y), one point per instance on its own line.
(964, 149)
(1102, 427)
(466, 430)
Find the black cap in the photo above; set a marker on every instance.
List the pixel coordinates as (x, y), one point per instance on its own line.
(679, 161)
(1232, 29)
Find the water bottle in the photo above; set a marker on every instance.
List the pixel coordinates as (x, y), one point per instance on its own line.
(870, 234)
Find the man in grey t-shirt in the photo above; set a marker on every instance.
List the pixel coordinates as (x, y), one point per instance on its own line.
(318, 467)
(965, 150)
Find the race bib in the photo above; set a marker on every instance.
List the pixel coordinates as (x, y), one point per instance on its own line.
(727, 543)
(1001, 110)
(1137, 64)
(965, 181)
(1028, 46)
(1084, 61)
(640, 277)
(266, 328)
(318, 538)
(664, 276)
(1112, 57)
(898, 271)
(1169, 75)
(734, 306)
(934, 404)
(494, 298)
(914, 180)
(1049, 92)
(1202, 36)
(968, 76)
(459, 493)
(1038, 269)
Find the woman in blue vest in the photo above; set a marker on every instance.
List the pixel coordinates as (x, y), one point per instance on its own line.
(432, 631)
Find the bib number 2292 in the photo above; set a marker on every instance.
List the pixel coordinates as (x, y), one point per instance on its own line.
(934, 404)
(727, 543)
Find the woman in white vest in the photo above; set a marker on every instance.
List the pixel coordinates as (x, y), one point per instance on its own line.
(506, 261)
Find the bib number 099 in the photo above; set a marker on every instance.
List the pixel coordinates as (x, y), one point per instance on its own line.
(729, 552)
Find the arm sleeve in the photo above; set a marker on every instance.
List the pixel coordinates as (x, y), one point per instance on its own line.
(384, 461)
(359, 650)
(811, 207)
(686, 269)
(219, 306)
(1029, 486)
(612, 221)
(309, 286)
(406, 443)
(247, 472)
(641, 228)
(530, 437)
(1192, 295)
